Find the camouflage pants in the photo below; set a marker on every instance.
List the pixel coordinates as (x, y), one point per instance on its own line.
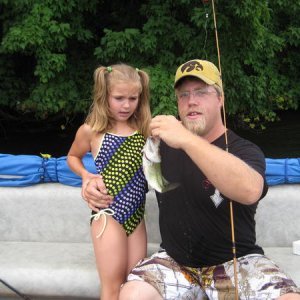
(258, 278)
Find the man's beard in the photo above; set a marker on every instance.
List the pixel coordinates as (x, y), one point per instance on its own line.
(197, 126)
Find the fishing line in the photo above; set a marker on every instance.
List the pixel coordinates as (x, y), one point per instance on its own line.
(14, 290)
(226, 143)
(205, 31)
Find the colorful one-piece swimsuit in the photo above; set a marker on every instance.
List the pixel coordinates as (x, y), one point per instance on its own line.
(119, 161)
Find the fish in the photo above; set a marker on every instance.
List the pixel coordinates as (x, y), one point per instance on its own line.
(152, 167)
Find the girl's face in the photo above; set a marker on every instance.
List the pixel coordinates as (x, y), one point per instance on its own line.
(123, 100)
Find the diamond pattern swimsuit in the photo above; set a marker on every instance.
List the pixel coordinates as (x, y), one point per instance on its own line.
(119, 161)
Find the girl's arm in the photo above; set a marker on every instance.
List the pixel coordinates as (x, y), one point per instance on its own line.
(80, 146)
(93, 188)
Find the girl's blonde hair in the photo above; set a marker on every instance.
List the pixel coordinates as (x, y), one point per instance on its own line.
(99, 117)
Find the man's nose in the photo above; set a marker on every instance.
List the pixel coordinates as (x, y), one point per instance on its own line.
(192, 99)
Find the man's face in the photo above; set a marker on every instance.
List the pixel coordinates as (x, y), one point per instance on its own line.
(198, 106)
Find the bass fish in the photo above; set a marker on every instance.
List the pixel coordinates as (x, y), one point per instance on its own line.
(152, 167)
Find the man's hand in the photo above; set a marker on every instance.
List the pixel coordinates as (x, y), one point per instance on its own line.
(170, 130)
(94, 193)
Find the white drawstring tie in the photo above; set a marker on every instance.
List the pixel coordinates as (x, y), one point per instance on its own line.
(104, 212)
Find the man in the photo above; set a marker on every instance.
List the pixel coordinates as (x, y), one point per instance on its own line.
(195, 221)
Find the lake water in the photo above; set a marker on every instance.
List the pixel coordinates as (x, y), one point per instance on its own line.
(279, 140)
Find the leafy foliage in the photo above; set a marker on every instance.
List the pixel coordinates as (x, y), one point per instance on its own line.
(50, 48)
(40, 70)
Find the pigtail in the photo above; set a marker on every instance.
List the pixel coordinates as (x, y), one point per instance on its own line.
(98, 117)
(143, 114)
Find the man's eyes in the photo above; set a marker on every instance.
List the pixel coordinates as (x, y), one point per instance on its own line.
(200, 93)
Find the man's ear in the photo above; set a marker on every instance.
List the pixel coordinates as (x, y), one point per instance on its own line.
(221, 100)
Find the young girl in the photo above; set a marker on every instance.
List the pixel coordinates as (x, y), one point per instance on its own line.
(115, 132)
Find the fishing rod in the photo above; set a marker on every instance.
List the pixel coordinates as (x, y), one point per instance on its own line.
(14, 290)
(226, 143)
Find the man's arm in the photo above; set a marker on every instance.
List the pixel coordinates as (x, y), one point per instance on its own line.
(229, 174)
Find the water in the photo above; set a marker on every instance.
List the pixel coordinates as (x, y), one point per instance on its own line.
(37, 138)
(279, 140)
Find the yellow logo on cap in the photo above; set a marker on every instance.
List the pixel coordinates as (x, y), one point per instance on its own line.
(201, 69)
(191, 65)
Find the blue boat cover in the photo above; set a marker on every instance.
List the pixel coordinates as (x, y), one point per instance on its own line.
(25, 170)
(282, 171)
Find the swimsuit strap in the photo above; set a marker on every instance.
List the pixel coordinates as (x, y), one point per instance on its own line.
(104, 212)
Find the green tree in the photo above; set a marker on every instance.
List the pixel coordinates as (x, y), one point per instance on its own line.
(46, 56)
(255, 49)
(50, 48)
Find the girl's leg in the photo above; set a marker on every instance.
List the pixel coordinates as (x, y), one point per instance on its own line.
(111, 256)
(137, 246)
